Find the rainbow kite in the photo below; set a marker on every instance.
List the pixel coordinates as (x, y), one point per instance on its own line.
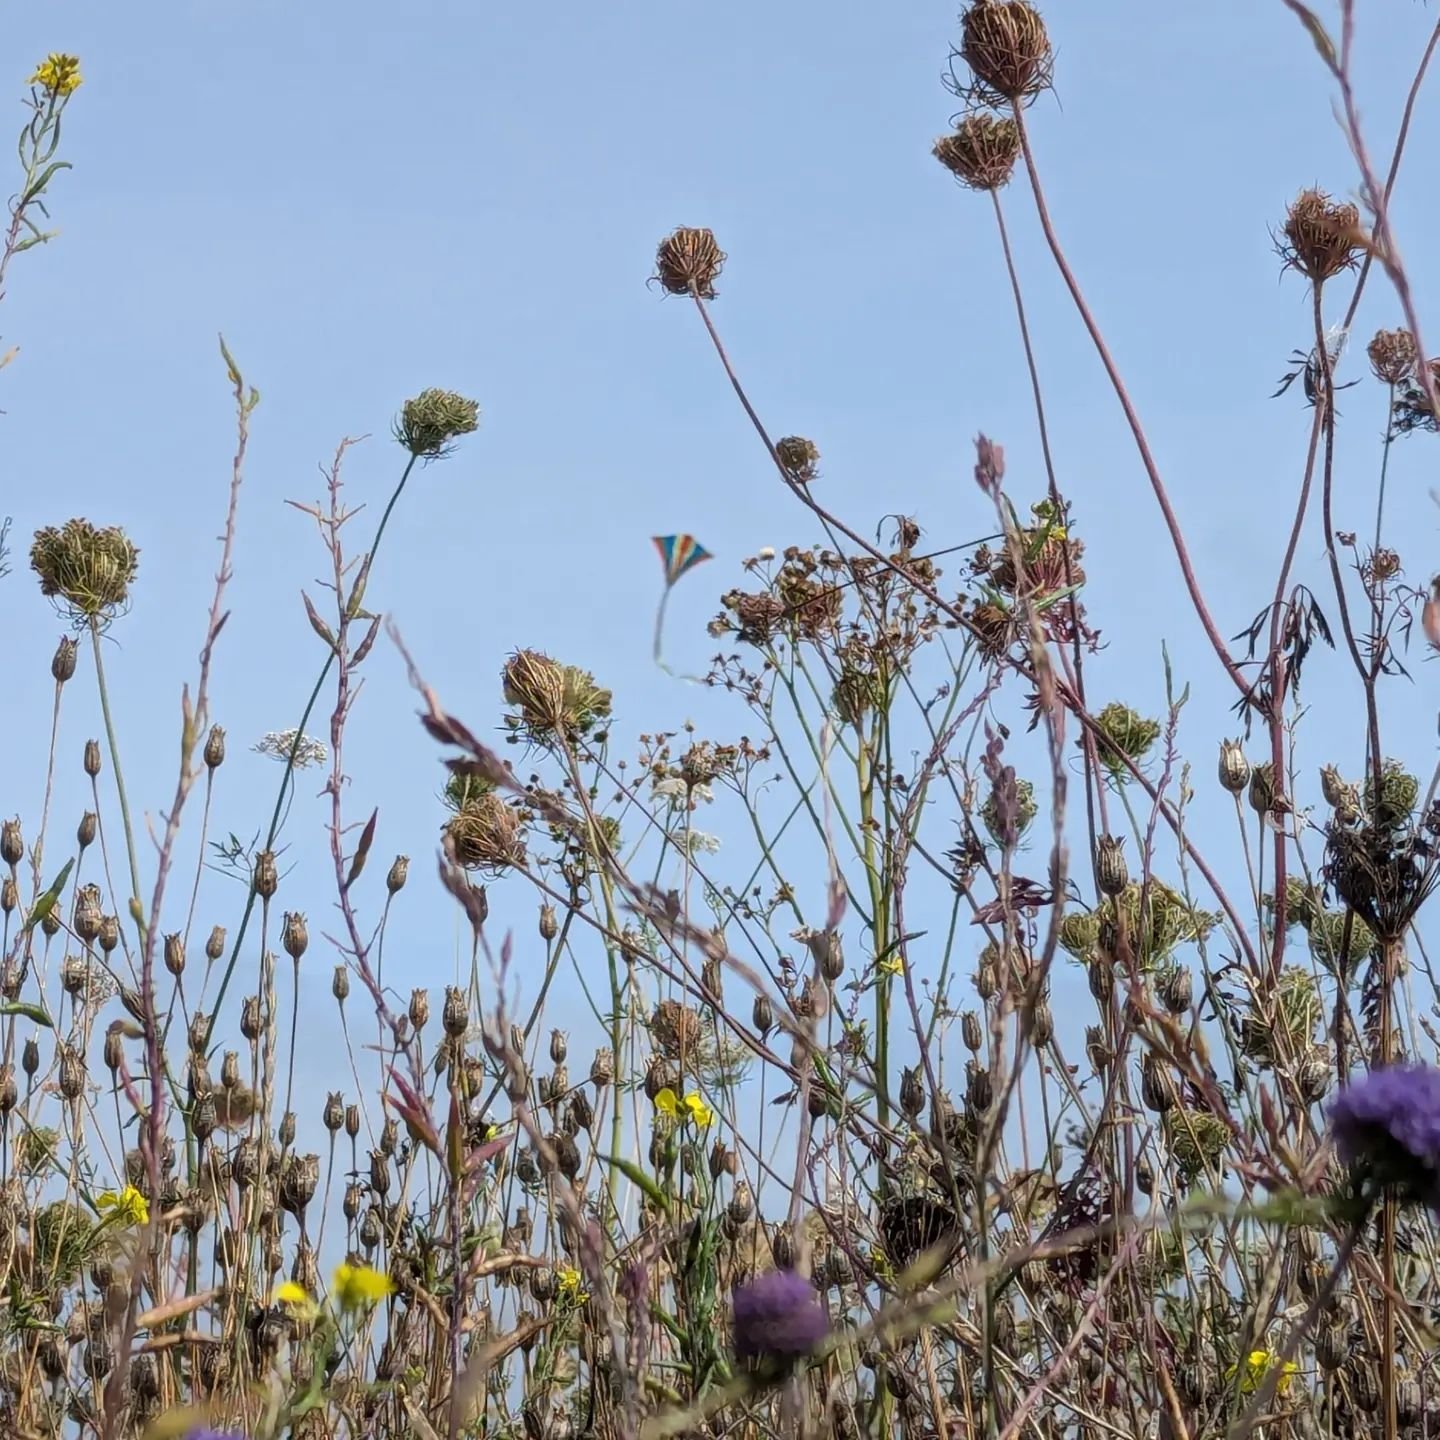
(678, 554)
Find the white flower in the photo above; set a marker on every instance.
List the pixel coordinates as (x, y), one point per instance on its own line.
(679, 794)
(700, 843)
(767, 552)
(279, 743)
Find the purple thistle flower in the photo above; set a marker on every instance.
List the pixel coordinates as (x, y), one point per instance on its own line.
(778, 1316)
(1387, 1124)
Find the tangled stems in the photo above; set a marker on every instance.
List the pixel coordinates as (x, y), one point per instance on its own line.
(276, 813)
(136, 913)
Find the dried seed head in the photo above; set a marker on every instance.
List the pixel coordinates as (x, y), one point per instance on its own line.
(488, 834)
(62, 665)
(430, 423)
(970, 1032)
(333, 1114)
(1042, 1025)
(1313, 1077)
(912, 1092)
(979, 1090)
(285, 1131)
(1005, 44)
(215, 748)
(175, 954)
(109, 936)
(1320, 237)
(92, 758)
(87, 912)
(1392, 356)
(230, 1069)
(87, 570)
(419, 1010)
(762, 1015)
(9, 895)
(352, 1122)
(215, 945)
(688, 262)
(1262, 788)
(1176, 988)
(399, 871)
(1111, 873)
(1234, 768)
(293, 935)
(455, 1014)
(559, 1047)
(205, 1117)
(799, 457)
(71, 1081)
(980, 152)
(250, 1017)
(12, 843)
(602, 1068)
(340, 984)
(87, 829)
(1156, 1088)
(535, 685)
(30, 1057)
(266, 877)
(549, 923)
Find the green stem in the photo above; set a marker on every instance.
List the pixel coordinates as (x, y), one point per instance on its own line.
(136, 912)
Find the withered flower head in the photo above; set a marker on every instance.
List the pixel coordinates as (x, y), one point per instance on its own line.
(1004, 42)
(488, 835)
(688, 261)
(799, 456)
(433, 420)
(1320, 238)
(87, 570)
(980, 152)
(553, 699)
(1392, 356)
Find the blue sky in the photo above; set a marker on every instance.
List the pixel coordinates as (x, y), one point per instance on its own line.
(371, 199)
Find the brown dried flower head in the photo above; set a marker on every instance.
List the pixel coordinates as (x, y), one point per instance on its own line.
(1321, 236)
(87, 570)
(1392, 356)
(688, 261)
(487, 834)
(799, 456)
(980, 152)
(1004, 42)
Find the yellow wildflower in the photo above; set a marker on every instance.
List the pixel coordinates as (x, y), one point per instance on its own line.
(129, 1207)
(668, 1103)
(568, 1282)
(700, 1112)
(295, 1299)
(1258, 1365)
(58, 74)
(358, 1285)
(893, 966)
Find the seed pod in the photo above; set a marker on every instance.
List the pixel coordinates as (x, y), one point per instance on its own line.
(298, 1181)
(455, 1015)
(266, 877)
(286, 1130)
(12, 977)
(30, 1057)
(762, 1015)
(114, 1051)
(354, 1195)
(1101, 974)
(602, 1068)
(549, 923)
(723, 1160)
(340, 984)
(1262, 788)
(215, 748)
(293, 935)
(1042, 1025)
(109, 936)
(1234, 768)
(72, 1073)
(389, 1137)
(352, 1121)
(12, 843)
(1313, 1078)
(9, 895)
(782, 1247)
(1176, 988)
(9, 1094)
(62, 663)
(970, 1032)
(526, 1170)
(50, 925)
(581, 1111)
(979, 1091)
(370, 1230)
(742, 1205)
(1156, 1087)
(92, 758)
(379, 1173)
(1112, 875)
(250, 1017)
(87, 915)
(204, 1118)
(1332, 1347)
(199, 1031)
(87, 829)
(559, 1046)
(175, 954)
(334, 1112)
(230, 1070)
(399, 870)
(1144, 1178)
(215, 945)
(912, 1093)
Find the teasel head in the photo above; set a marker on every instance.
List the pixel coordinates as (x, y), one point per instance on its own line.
(980, 152)
(688, 261)
(294, 935)
(265, 878)
(1112, 875)
(1321, 237)
(1006, 45)
(87, 570)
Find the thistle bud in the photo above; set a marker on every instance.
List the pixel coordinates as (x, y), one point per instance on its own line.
(92, 758)
(215, 748)
(109, 936)
(970, 1032)
(250, 1017)
(266, 879)
(215, 945)
(419, 1008)
(175, 954)
(1234, 768)
(340, 984)
(334, 1112)
(455, 1014)
(1111, 873)
(352, 1121)
(549, 923)
(12, 843)
(602, 1068)
(294, 936)
(399, 870)
(762, 1016)
(62, 664)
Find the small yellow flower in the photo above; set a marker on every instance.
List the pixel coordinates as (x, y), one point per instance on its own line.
(893, 966)
(699, 1111)
(668, 1103)
(568, 1282)
(1258, 1365)
(295, 1299)
(129, 1207)
(58, 74)
(358, 1285)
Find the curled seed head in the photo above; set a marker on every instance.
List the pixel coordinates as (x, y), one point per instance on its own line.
(688, 261)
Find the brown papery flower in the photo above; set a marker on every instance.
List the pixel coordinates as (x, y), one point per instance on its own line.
(688, 261)
(1321, 236)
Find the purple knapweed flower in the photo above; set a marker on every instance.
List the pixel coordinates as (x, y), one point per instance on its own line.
(778, 1316)
(1387, 1124)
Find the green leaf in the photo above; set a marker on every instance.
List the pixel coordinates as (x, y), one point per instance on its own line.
(43, 180)
(37, 1013)
(636, 1176)
(47, 902)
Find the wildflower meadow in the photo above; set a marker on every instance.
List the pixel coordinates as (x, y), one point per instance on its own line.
(923, 1008)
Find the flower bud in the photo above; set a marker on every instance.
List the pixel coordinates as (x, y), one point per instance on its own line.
(1111, 873)
(62, 665)
(215, 748)
(340, 984)
(399, 870)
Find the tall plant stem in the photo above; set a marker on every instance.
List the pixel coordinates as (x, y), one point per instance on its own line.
(136, 911)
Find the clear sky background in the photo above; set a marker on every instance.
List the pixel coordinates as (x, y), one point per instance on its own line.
(372, 198)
